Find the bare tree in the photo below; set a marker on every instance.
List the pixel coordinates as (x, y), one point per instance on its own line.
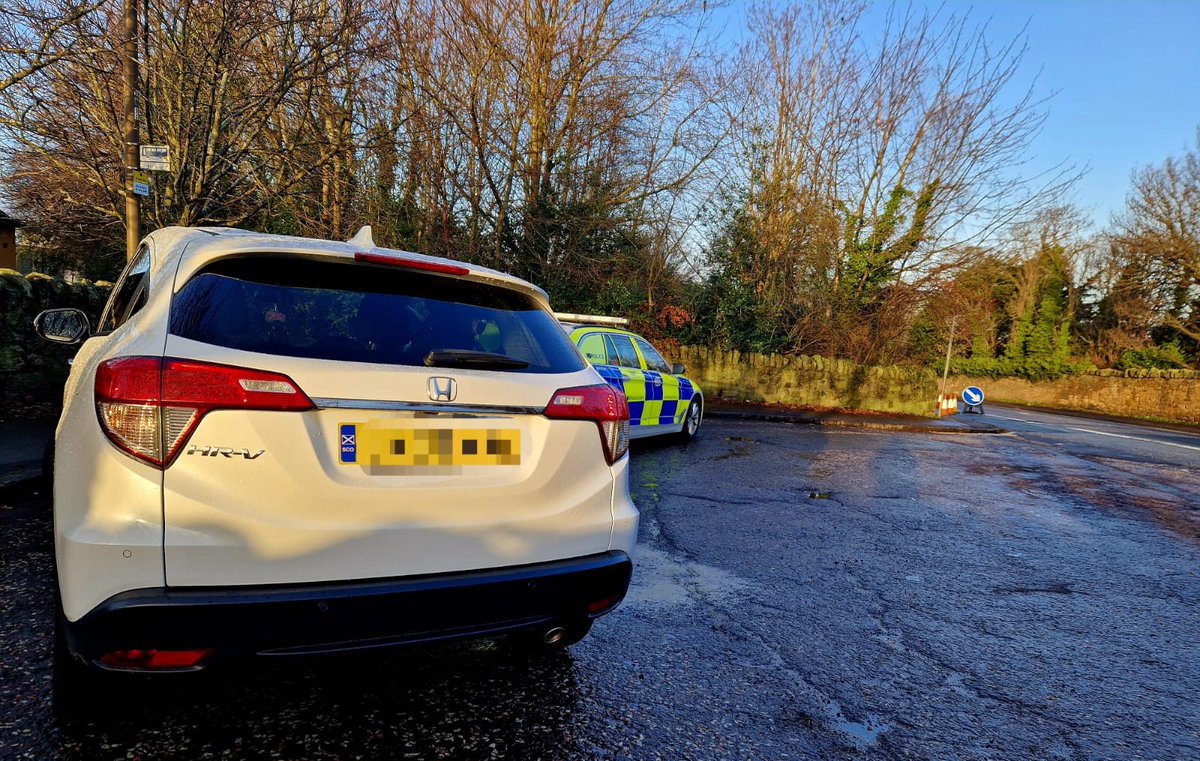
(872, 165)
(35, 35)
(245, 93)
(1156, 244)
(551, 117)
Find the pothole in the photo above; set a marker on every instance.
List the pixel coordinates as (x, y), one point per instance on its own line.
(862, 733)
(1058, 588)
(663, 580)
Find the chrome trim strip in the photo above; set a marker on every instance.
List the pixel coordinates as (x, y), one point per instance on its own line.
(451, 409)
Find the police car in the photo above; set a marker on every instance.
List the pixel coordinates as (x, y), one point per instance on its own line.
(284, 446)
(661, 399)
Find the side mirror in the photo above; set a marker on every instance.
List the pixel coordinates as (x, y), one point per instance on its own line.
(678, 369)
(62, 326)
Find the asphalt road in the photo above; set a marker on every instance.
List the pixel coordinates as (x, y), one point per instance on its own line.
(1146, 466)
(800, 592)
(1173, 445)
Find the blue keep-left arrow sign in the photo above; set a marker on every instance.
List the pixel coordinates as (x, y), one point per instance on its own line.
(972, 395)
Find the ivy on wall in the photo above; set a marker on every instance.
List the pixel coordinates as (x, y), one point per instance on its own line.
(33, 370)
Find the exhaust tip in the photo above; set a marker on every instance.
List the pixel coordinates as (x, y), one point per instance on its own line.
(553, 635)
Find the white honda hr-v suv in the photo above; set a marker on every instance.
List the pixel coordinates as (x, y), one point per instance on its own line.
(279, 445)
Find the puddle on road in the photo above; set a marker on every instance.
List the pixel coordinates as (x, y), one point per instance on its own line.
(741, 446)
(733, 453)
(863, 734)
(1116, 486)
(1056, 588)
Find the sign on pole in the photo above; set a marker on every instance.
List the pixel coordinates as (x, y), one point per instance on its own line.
(141, 183)
(973, 396)
(156, 158)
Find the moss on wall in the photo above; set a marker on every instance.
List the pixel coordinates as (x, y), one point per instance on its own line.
(809, 381)
(1170, 395)
(33, 370)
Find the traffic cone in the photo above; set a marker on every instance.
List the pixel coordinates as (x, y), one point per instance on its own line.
(948, 405)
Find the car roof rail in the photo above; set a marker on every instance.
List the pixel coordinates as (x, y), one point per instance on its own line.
(591, 319)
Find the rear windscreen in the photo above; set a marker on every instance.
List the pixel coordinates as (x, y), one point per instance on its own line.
(364, 313)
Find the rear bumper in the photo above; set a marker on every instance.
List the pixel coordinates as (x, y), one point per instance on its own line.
(331, 617)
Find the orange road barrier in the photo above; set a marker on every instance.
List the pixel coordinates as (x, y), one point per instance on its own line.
(947, 405)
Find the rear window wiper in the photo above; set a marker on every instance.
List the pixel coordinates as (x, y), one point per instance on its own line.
(479, 360)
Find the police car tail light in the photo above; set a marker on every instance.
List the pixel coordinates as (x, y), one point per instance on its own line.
(601, 403)
(149, 406)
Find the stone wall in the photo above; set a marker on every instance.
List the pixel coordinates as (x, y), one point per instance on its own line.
(33, 370)
(808, 381)
(1170, 395)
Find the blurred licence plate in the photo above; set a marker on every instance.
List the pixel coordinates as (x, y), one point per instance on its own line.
(378, 445)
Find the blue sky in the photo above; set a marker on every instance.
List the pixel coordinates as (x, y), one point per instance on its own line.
(1125, 78)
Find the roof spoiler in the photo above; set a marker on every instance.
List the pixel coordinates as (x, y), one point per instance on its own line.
(591, 319)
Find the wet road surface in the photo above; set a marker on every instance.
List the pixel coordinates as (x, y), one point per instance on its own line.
(1155, 444)
(800, 593)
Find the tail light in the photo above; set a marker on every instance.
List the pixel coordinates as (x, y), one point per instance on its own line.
(151, 660)
(603, 404)
(149, 406)
(603, 605)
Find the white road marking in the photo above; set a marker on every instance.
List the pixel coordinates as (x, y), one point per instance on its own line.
(1136, 438)
(1017, 419)
(1102, 433)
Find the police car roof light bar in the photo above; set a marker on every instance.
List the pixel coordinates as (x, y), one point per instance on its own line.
(591, 319)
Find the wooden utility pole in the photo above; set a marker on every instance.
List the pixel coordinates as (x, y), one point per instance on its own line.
(132, 141)
(946, 370)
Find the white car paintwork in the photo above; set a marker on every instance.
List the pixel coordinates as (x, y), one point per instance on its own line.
(294, 514)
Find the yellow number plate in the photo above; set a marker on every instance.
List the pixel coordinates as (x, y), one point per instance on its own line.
(376, 445)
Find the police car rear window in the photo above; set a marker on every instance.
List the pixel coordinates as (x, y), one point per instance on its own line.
(353, 312)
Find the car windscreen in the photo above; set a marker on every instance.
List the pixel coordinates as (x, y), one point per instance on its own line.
(354, 312)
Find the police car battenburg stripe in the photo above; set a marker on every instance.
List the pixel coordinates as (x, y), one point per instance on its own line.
(650, 403)
(654, 391)
(635, 413)
(651, 412)
(686, 391)
(667, 416)
(613, 376)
